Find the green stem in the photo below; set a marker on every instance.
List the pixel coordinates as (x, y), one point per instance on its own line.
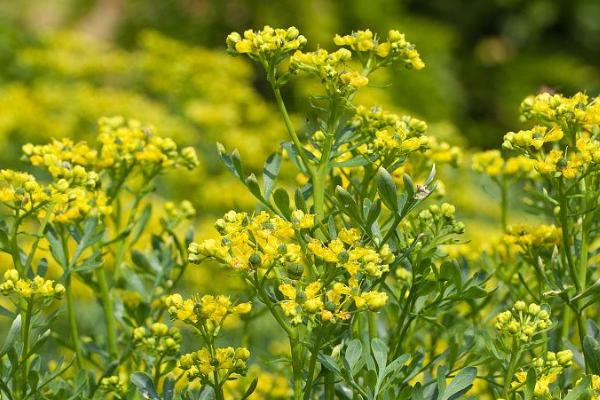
(372, 318)
(312, 364)
(296, 350)
(73, 321)
(512, 365)
(107, 308)
(24, 353)
(329, 386)
(564, 222)
(290, 127)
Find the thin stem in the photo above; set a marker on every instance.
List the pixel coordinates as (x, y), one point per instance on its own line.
(312, 364)
(24, 353)
(107, 309)
(512, 365)
(290, 127)
(329, 386)
(73, 321)
(296, 350)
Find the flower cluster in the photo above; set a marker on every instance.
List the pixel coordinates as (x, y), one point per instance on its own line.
(566, 111)
(267, 44)
(114, 385)
(30, 289)
(384, 132)
(175, 213)
(125, 143)
(547, 371)
(65, 160)
(20, 191)
(493, 164)
(523, 321)
(330, 68)
(531, 237)
(215, 365)
(208, 311)
(436, 222)
(395, 48)
(563, 146)
(272, 246)
(331, 305)
(534, 138)
(158, 340)
(248, 243)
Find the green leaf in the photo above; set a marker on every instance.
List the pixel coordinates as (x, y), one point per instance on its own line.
(250, 389)
(329, 363)
(387, 189)
(252, 185)
(353, 353)
(12, 335)
(451, 272)
(141, 223)
(56, 247)
(227, 160)
(580, 390)
(347, 204)
(282, 201)
(299, 201)
(380, 352)
(145, 385)
(271, 172)
(409, 186)
(168, 389)
(460, 384)
(42, 267)
(591, 351)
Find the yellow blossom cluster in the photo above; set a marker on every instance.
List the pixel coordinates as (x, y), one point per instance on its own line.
(158, 339)
(330, 68)
(534, 138)
(267, 44)
(385, 131)
(21, 191)
(76, 203)
(558, 109)
(114, 385)
(179, 212)
(208, 311)
(547, 370)
(330, 305)
(395, 48)
(523, 321)
(125, 143)
(564, 145)
(531, 237)
(30, 289)
(248, 243)
(493, 164)
(223, 362)
(65, 159)
(274, 247)
(443, 153)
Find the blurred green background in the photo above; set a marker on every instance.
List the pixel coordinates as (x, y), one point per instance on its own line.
(67, 62)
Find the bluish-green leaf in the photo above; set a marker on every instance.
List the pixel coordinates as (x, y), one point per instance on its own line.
(386, 187)
(460, 384)
(145, 385)
(270, 173)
